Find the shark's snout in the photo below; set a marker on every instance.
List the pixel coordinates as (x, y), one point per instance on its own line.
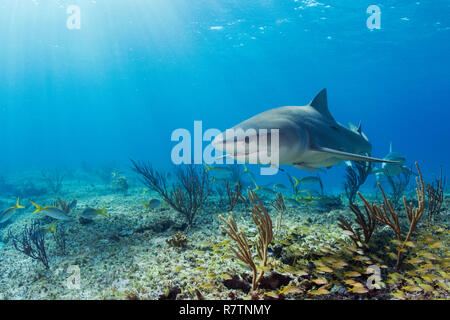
(217, 143)
(236, 142)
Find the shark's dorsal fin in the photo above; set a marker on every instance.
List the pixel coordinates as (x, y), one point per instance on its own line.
(354, 128)
(320, 103)
(357, 130)
(364, 136)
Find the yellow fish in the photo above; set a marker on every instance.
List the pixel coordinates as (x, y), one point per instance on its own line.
(272, 294)
(436, 245)
(320, 281)
(398, 294)
(358, 289)
(6, 214)
(152, 204)
(352, 274)
(324, 269)
(319, 292)
(51, 228)
(290, 290)
(412, 289)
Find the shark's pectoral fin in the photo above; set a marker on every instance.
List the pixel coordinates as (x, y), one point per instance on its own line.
(350, 156)
(227, 155)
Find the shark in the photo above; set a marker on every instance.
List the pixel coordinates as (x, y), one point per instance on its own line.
(309, 138)
(389, 169)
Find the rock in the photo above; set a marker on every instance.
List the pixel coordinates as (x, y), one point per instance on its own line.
(126, 232)
(171, 294)
(237, 283)
(274, 281)
(305, 285)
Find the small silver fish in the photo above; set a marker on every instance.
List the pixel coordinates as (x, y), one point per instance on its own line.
(53, 212)
(152, 204)
(6, 214)
(90, 213)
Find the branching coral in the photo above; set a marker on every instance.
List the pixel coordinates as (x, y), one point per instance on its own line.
(279, 205)
(65, 205)
(263, 223)
(435, 195)
(60, 240)
(387, 215)
(355, 176)
(234, 195)
(243, 252)
(186, 196)
(31, 242)
(366, 225)
(54, 180)
(398, 186)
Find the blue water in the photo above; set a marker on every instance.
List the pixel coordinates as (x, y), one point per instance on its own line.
(137, 70)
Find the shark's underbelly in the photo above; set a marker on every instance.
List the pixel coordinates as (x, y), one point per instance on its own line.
(317, 159)
(392, 170)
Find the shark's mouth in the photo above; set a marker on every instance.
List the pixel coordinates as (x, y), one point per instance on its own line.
(240, 154)
(254, 157)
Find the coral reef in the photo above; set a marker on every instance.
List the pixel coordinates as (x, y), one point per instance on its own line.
(187, 196)
(146, 254)
(31, 242)
(263, 223)
(59, 237)
(234, 194)
(366, 225)
(355, 176)
(435, 197)
(279, 205)
(178, 240)
(54, 180)
(65, 205)
(398, 185)
(387, 215)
